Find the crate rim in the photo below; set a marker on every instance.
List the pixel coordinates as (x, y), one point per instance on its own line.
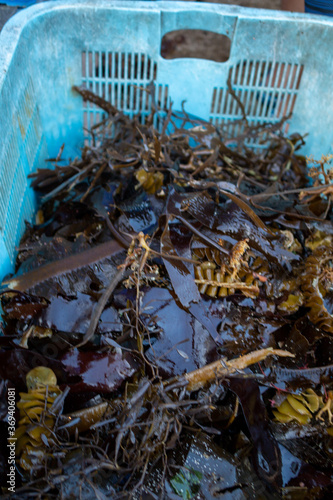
(12, 30)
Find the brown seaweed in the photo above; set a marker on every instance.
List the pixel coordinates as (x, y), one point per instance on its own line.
(166, 271)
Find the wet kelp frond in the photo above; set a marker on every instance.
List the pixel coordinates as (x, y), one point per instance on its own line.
(176, 288)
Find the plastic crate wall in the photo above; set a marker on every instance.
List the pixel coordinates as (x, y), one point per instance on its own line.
(23, 148)
(279, 62)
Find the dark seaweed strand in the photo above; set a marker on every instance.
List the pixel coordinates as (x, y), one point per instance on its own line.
(62, 266)
(95, 99)
(98, 309)
(205, 238)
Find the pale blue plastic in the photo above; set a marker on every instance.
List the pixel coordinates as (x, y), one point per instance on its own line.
(278, 61)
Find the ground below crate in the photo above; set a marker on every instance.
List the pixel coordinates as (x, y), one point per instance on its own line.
(5, 13)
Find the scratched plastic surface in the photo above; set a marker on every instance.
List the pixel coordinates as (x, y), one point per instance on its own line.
(279, 63)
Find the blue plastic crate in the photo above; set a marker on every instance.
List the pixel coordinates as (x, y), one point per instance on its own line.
(19, 3)
(277, 61)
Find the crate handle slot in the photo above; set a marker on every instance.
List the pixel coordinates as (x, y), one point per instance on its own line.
(195, 43)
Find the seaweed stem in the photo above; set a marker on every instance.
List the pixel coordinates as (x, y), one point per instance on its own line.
(101, 305)
(199, 378)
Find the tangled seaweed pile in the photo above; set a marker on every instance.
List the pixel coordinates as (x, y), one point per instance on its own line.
(169, 323)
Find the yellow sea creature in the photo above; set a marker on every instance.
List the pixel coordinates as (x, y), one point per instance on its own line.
(37, 419)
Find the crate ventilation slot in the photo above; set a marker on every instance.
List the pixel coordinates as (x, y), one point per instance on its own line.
(25, 147)
(121, 78)
(267, 90)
